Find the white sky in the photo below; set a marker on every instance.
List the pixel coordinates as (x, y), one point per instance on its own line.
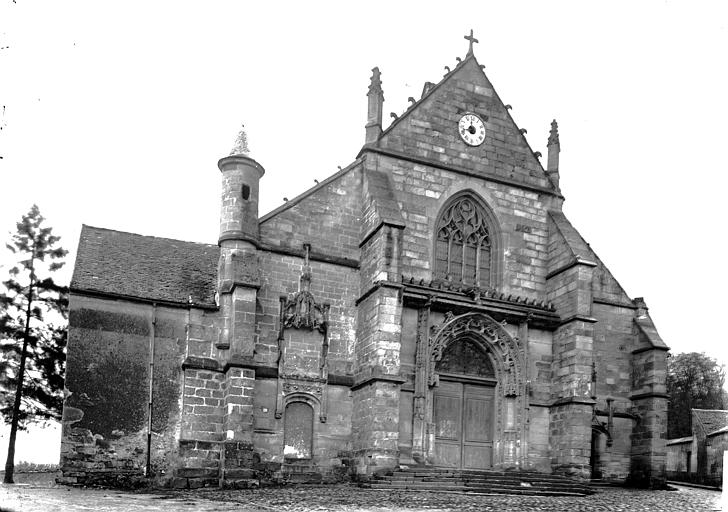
(117, 112)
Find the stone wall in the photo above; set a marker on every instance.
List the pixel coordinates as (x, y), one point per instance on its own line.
(104, 437)
(715, 445)
(648, 457)
(327, 218)
(681, 459)
(335, 285)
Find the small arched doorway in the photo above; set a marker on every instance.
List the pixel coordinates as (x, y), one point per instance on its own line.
(298, 431)
(463, 407)
(601, 440)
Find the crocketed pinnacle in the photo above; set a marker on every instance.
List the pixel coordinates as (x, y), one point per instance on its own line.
(241, 144)
(554, 133)
(375, 84)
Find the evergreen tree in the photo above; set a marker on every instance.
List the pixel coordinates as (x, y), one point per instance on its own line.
(32, 348)
(694, 381)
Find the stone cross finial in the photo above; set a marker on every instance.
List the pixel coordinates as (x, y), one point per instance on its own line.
(241, 143)
(554, 133)
(472, 40)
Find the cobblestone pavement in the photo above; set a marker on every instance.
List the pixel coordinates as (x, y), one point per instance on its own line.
(37, 498)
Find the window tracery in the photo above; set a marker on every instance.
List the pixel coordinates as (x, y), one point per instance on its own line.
(463, 244)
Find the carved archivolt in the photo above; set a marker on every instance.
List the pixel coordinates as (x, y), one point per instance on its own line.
(492, 336)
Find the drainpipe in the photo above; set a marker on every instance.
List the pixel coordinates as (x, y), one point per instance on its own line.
(152, 335)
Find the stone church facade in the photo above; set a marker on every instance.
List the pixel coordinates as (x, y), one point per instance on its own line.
(429, 304)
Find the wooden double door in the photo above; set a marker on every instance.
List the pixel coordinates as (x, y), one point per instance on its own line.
(463, 415)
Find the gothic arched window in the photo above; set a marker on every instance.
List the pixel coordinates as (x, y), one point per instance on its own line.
(463, 245)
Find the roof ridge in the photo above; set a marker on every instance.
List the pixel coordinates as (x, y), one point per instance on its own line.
(110, 230)
(428, 93)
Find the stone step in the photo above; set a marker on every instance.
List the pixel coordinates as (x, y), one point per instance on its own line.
(479, 482)
(485, 491)
(488, 485)
(489, 478)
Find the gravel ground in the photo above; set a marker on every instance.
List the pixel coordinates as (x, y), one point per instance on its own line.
(343, 498)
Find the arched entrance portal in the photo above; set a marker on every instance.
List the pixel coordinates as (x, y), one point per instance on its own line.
(464, 407)
(470, 395)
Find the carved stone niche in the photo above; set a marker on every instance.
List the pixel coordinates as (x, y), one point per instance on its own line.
(314, 390)
(302, 312)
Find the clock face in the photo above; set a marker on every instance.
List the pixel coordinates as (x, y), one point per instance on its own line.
(472, 129)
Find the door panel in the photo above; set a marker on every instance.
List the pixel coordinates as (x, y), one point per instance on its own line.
(477, 457)
(463, 416)
(476, 429)
(447, 404)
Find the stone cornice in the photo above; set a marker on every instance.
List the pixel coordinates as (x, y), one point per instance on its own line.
(579, 318)
(313, 255)
(608, 302)
(362, 380)
(521, 310)
(376, 286)
(581, 400)
(647, 349)
(262, 371)
(119, 296)
(571, 264)
(375, 229)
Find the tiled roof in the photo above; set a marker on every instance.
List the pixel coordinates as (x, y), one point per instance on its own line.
(145, 267)
(710, 420)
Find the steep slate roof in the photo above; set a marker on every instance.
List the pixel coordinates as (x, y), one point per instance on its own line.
(145, 267)
(710, 420)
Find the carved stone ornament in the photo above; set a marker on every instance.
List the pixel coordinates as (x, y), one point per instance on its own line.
(502, 345)
(301, 311)
(299, 387)
(313, 391)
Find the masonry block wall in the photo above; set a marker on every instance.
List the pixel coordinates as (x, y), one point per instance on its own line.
(649, 400)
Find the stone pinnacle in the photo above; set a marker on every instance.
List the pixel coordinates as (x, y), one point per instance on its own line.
(241, 144)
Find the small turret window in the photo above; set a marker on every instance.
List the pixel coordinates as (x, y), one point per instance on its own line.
(246, 192)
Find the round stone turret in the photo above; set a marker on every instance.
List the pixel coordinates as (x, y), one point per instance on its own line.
(239, 203)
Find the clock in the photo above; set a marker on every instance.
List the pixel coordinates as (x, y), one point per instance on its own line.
(471, 129)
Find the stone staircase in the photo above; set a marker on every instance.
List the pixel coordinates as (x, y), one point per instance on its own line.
(479, 482)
